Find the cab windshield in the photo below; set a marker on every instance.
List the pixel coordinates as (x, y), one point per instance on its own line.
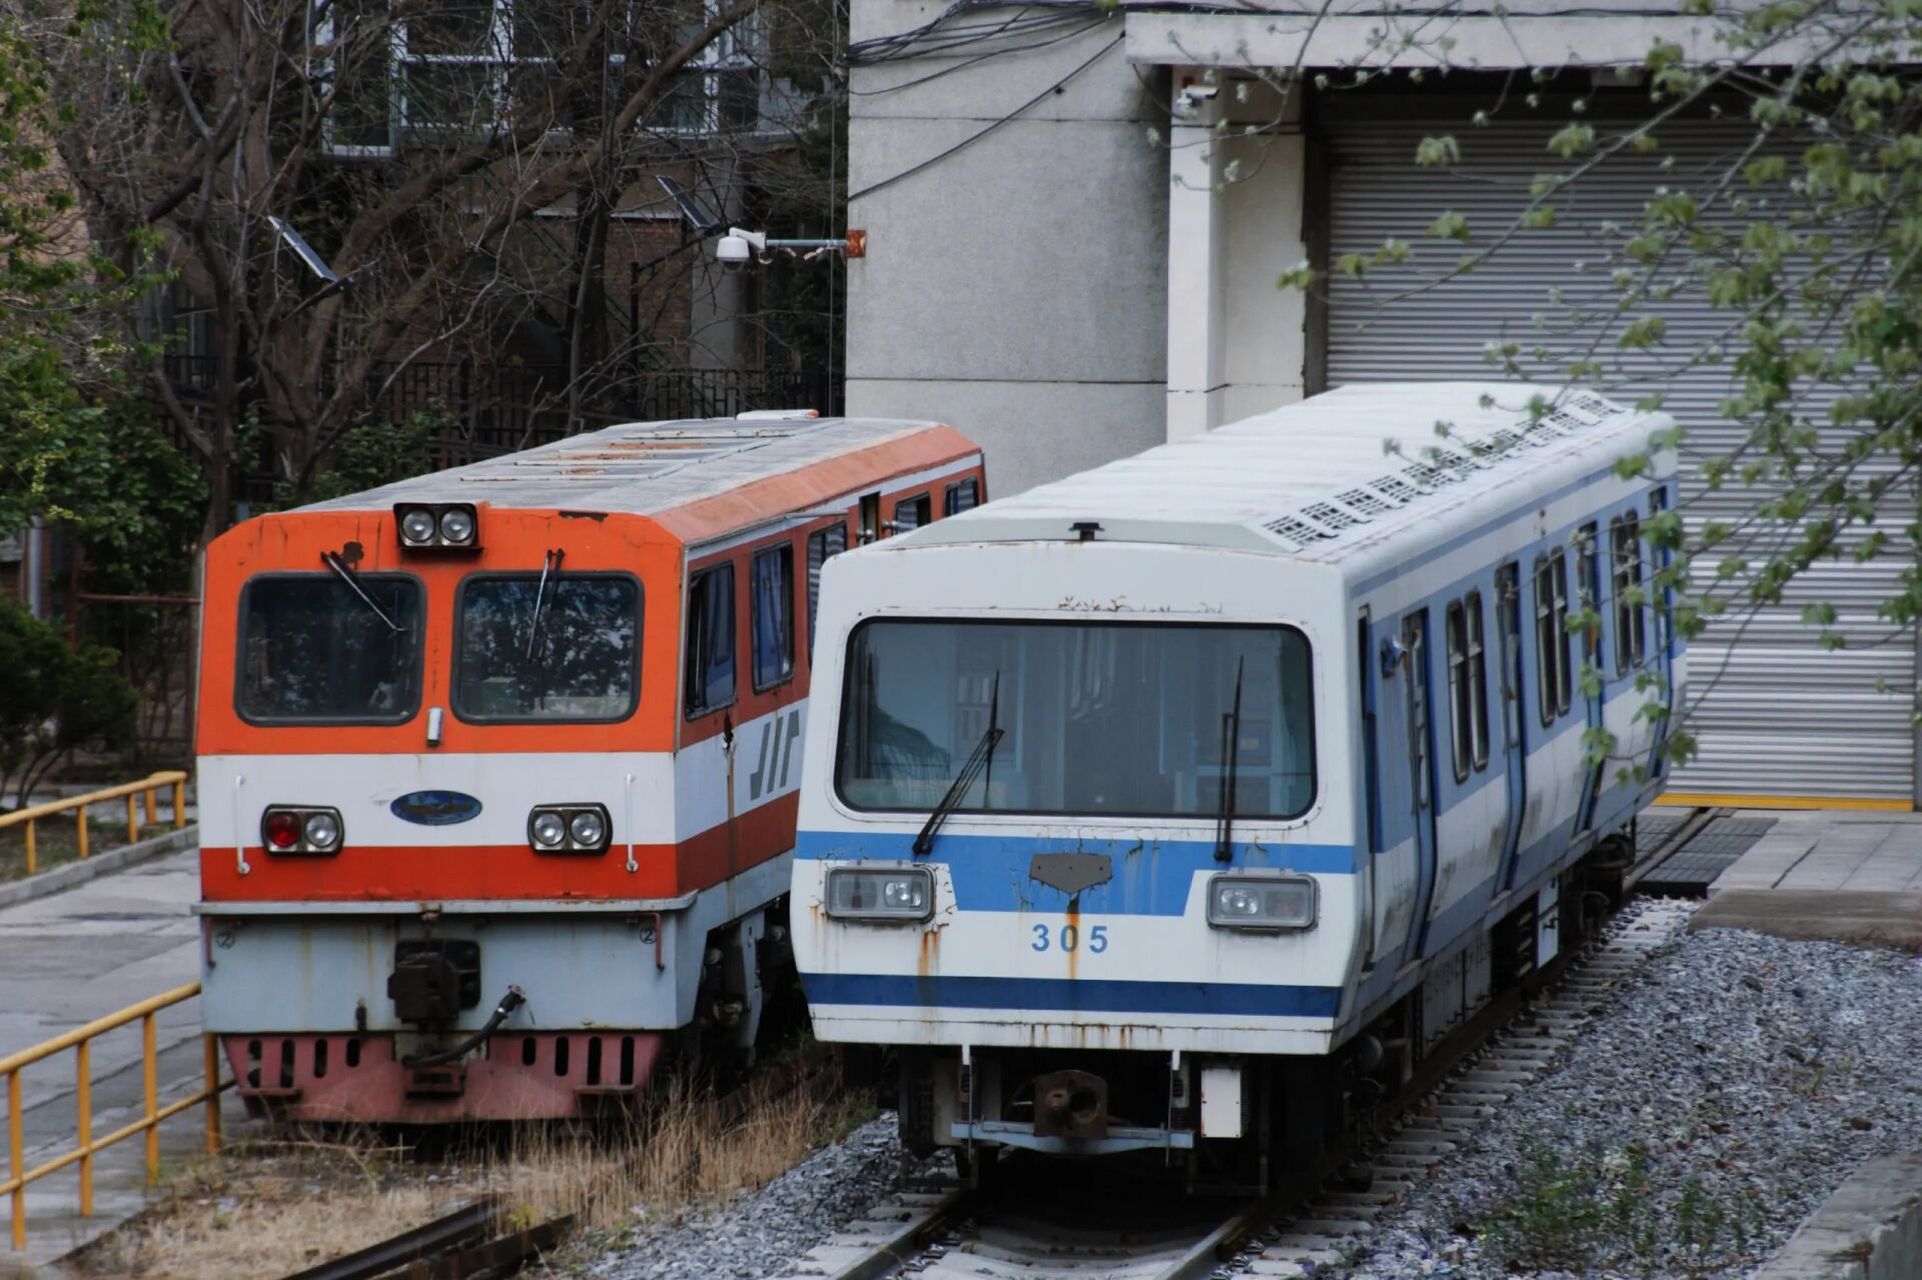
(325, 649)
(1119, 718)
(548, 647)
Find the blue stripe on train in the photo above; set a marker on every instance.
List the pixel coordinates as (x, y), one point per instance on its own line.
(1151, 877)
(1071, 995)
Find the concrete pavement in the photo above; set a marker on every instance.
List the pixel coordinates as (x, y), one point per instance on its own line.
(68, 959)
(1840, 875)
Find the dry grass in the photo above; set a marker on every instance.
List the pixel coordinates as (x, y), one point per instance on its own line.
(267, 1209)
(273, 1207)
(692, 1147)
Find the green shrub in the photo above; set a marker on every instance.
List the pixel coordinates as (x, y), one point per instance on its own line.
(54, 700)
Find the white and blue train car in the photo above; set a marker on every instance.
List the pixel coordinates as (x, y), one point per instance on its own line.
(1172, 801)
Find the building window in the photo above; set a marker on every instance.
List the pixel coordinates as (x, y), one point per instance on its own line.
(822, 545)
(771, 606)
(1551, 634)
(962, 496)
(912, 513)
(470, 66)
(710, 641)
(1631, 641)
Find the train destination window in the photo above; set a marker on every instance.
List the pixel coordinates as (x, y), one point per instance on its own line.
(547, 647)
(710, 640)
(963, 495)
(771, 611)
(1625, 564)
(1551, 635)
(823, 545)
(319, 648)
(1138, 719)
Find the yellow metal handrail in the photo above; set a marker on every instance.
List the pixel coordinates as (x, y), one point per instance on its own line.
(174, 778)
(80, 1041)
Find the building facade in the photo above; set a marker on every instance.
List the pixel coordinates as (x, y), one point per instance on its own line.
(1077, 220)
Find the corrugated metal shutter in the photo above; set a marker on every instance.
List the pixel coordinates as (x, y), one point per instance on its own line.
(1774, 714)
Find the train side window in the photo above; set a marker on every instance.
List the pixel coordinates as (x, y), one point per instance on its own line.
(771, 613)
(710, 640)
(1477, 683)
(1370, 762)
(963, 495)
(1459, 711)
(1551, 634)
(823, 545)
(1631, 641)
(1588, 581)
(1508, 620)
(912, 513)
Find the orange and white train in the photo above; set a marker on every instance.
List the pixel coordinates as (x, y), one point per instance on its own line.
(499, 766)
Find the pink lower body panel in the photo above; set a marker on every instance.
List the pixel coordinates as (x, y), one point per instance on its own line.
(544, 1076)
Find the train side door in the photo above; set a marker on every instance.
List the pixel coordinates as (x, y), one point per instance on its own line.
(1508, 622)
(1664, 632)
(1420, 724)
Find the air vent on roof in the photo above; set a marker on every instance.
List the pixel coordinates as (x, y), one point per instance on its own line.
(1594, 407)
(1495, 444)
(1299, 530)
(1370, 501)
(1331, 515)
(1395, 488)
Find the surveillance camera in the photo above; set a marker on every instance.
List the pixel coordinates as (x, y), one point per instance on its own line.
(738, 248)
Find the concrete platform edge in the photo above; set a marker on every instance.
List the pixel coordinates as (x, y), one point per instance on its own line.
(69, 874)
(1869, 1229)
(1854, 916)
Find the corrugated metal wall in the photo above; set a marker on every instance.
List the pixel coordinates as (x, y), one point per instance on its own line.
(1774, 714)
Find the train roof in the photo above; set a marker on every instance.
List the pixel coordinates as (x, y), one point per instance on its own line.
(657, 468)
(1330, 478)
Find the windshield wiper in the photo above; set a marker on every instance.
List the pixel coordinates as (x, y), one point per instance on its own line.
(333, 561)
(550, 563)
(979, 758)
(1231, 761)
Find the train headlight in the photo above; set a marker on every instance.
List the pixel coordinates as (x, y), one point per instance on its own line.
(1253, 900)
(417, 526)
(301, 830)
(457, 525)
(438, 526)
(883, 894)
(568, 828)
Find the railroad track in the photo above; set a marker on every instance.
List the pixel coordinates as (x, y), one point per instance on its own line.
(1065, 1231)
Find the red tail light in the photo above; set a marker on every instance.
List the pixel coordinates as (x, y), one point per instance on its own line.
(283, 829)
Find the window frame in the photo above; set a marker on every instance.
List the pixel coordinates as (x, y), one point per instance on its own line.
(814, 574)
(1189, 819)
(1455, 658)
(241, 614)
(953, 491)
(1477, 681)
(733, 640)
(455, 646)
(916, 500)
(782, 548)
(1553, 678)
(1625, 572)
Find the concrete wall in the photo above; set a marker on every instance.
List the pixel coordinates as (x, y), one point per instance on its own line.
(1016, 288)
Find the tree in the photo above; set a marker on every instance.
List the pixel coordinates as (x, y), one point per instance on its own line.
(1803, 233)
(54, 700)
(415, 146)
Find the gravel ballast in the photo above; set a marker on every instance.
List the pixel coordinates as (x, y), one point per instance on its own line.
(1714, 1102)
(761, 1232)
